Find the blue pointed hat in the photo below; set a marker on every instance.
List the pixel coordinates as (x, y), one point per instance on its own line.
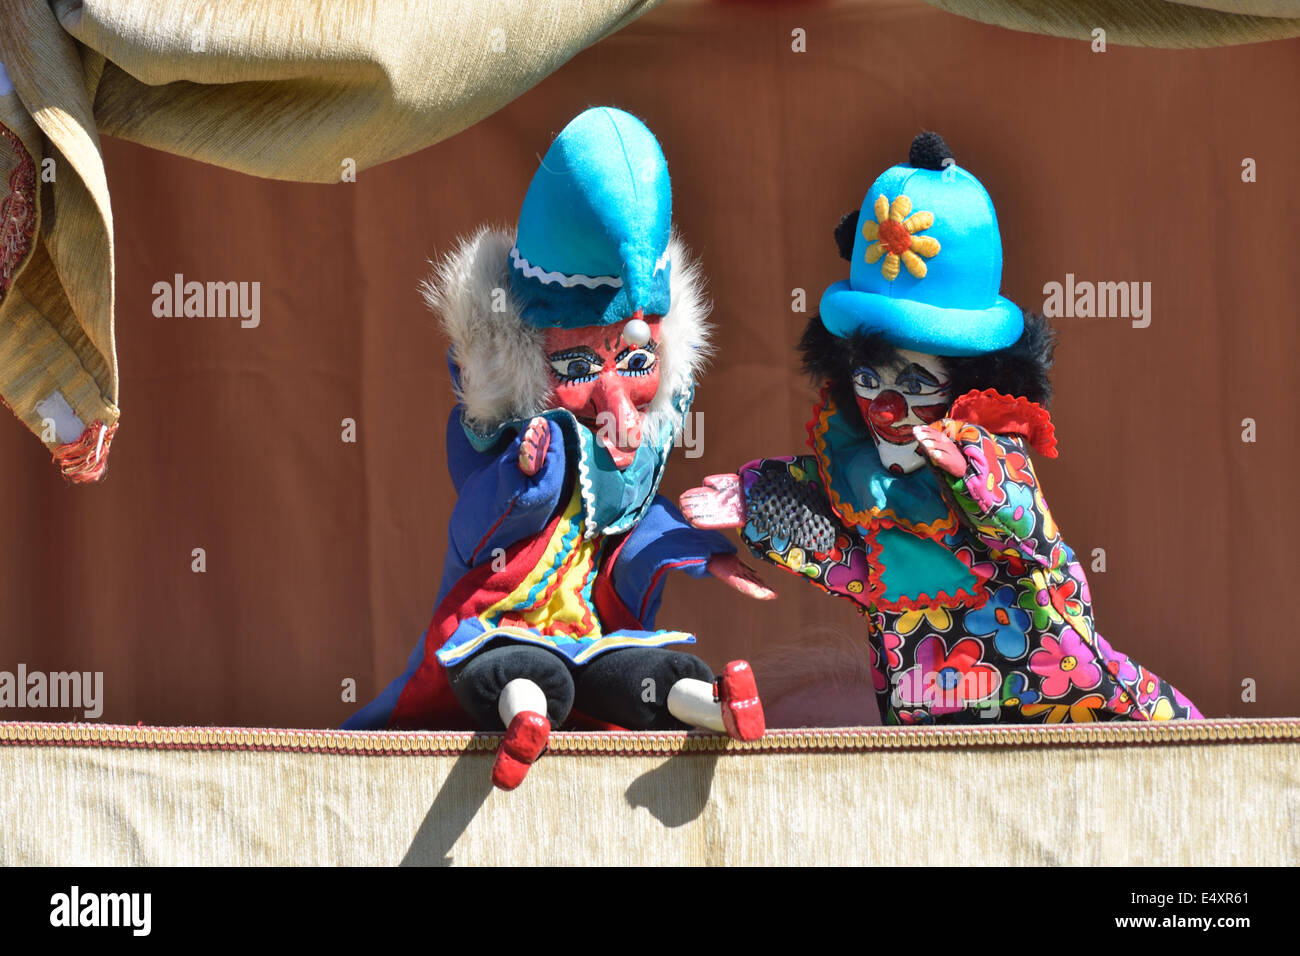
(927, 262)
(592, 243)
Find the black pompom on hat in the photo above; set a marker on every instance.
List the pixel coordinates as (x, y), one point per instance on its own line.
(929, 151)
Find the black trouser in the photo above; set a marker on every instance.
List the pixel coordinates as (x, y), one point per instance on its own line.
(628, 686)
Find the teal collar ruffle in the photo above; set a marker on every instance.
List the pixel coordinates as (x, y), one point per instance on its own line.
(862, 490)
(903, 519)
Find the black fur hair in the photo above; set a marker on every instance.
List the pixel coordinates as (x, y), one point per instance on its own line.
(846, 233)
(1020, 369)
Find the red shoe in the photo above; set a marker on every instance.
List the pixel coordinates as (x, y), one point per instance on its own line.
(524, 742)
(742, 711)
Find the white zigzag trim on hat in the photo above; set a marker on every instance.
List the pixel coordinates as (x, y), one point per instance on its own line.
(568, 281)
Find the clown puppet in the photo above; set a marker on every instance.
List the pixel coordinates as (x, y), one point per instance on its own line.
(919, 502)
(575, 343)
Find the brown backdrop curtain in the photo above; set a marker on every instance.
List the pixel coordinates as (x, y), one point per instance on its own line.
(323, 557)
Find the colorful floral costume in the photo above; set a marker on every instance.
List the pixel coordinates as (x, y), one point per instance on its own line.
(976, 609)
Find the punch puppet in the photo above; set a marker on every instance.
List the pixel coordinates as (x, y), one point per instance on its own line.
(919, 502)
(575, 343)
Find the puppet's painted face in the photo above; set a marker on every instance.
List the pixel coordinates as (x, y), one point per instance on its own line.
(895, 399)
(606, 381)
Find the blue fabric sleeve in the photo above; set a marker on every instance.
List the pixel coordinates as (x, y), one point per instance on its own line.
(498, 505)
(660, 540)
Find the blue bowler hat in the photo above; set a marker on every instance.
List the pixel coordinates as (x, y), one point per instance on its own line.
(927, 262)
(592, 244)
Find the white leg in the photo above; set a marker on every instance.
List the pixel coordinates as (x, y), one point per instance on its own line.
(520, 695)
(691, 701)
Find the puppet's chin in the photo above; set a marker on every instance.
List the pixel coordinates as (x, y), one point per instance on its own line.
(899, 459)
(622, 457)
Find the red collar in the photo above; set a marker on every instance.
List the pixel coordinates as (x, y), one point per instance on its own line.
(1007, 415)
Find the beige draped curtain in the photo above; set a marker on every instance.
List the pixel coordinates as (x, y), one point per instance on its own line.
(1171, 24)
(307, 92)
(297, 91)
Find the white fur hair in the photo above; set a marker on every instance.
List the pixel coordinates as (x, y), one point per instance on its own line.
(504, 370)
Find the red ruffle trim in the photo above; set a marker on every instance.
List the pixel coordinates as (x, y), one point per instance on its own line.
(1007, 415)
(811, 427)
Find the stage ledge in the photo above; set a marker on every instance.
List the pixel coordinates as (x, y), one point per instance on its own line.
(1170, 794)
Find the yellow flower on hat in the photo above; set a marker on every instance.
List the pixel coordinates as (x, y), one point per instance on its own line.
(893, 234)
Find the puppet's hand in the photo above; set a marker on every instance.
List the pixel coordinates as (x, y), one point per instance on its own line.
(941, 449)
(532, 449)
(719, 504)
(730, 570)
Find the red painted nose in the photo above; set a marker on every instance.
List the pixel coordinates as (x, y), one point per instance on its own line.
(887, 408)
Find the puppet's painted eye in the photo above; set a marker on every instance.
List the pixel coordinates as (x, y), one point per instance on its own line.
(916, 380)
(575, 366)
(865, 379)
(638, 361)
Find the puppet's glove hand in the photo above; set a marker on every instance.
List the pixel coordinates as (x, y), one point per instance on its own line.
(532, 449)
(720, 503)
(735, 573)
(941, 450)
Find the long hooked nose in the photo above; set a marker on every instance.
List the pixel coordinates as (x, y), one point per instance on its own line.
(613, 406)
(887, 408)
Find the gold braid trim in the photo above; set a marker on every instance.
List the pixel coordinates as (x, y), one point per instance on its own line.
(847, 739)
